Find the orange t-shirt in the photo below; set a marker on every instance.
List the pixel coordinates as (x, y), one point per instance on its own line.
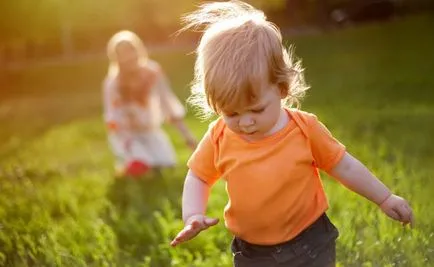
(273, 184)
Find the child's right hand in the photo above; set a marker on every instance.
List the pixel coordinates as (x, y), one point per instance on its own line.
(398, 209)
(194, 225)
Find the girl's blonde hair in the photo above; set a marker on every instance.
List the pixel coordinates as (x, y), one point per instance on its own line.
(238, 55)
(128, 37)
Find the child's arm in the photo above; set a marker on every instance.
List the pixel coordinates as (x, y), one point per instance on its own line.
(194, 200)
(185, 132)
(354, 175)
(174, 110)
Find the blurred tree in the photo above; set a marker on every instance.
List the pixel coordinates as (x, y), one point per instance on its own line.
(46, 18)
(29, 18)
(82, 25)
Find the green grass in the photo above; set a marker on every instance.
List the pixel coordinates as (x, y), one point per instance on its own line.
(60, 204)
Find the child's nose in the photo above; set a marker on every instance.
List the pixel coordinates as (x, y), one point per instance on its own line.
(246, 121)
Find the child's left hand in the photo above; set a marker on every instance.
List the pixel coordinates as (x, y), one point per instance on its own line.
(398, 209)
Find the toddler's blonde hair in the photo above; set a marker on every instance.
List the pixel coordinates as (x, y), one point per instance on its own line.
(239, 53)
(133, 40)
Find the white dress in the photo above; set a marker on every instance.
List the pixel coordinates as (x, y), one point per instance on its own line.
(152, 145)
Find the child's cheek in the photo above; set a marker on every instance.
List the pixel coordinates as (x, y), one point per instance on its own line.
(232, 124)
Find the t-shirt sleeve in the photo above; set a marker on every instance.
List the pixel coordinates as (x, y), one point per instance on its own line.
(327, 150)
(202, 161)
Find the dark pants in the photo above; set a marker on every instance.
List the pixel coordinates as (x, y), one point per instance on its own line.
(314, 247)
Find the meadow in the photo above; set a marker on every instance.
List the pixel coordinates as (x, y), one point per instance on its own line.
(60, 204)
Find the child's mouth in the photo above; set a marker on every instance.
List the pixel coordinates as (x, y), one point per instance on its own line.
(251, 133)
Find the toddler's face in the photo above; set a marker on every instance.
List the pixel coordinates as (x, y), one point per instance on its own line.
(258, 120)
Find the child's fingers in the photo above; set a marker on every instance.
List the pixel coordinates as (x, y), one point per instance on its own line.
(210, 222)
(393, 214)
(182, 236)
(187, 233)
(404, 213)
(412, 221)
(174, 243)
(411, 217)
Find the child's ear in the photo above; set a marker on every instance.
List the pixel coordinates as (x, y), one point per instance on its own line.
(283, 89)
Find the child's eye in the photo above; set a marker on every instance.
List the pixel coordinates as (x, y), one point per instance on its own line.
(258, 110)
(229, 113)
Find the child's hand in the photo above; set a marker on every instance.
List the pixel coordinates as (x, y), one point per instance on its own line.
(398, 208)
(194, 225)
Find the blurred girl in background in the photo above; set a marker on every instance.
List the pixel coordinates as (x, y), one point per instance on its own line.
(137, 99)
